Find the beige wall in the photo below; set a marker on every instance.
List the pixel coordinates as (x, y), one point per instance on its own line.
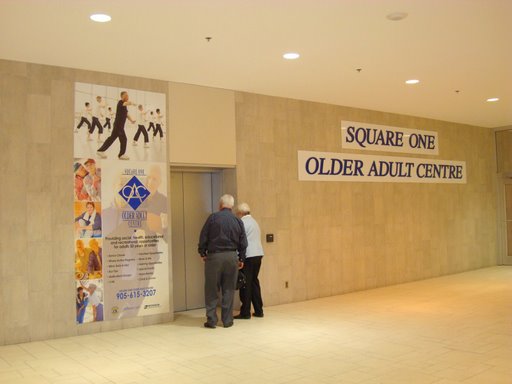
(504, 149)
(202, 121)
(36, 224)
(335, 237)
(330, 237)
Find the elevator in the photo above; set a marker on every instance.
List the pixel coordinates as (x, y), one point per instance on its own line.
(194, 196)
(503, 137)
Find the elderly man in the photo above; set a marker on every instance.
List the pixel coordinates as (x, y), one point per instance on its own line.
(222, 245)
(118, 131)
(251, 292)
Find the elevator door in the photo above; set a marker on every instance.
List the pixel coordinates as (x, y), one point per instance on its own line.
(192, 197)
(507, 258)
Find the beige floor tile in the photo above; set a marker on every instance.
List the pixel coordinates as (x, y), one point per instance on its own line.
(449, 330)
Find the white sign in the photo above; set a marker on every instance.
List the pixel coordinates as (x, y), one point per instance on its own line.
(373, 137)
(326, 166)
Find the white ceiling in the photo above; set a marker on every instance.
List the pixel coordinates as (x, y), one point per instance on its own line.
(449, 45)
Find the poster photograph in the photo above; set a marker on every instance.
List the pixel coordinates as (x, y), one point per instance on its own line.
(95, 120)
(120, 206)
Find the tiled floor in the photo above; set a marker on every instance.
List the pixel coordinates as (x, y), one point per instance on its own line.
(454, 329)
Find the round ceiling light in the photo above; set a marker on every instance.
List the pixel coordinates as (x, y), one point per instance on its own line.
(412, 81)
(493, 99)
(100, 18)
(396, 16)
(291, 56)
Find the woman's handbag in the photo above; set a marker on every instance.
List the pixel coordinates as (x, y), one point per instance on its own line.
(241, 280)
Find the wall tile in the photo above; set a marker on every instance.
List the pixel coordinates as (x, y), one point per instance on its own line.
(40, 265)
(38, 118)
(39, 167)
(383, 233)
(39, 216)
(42, 309)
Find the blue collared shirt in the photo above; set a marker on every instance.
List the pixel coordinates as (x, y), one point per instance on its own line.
(223, 232)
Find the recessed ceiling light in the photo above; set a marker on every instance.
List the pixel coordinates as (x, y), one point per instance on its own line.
(100, 17)
(492, 99)
(412, 81)
(291, 55)
(396, 16)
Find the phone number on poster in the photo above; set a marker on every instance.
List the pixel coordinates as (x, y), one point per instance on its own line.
(123, 295)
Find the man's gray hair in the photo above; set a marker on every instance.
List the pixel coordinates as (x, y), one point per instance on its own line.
(227, 201)
(244, 208)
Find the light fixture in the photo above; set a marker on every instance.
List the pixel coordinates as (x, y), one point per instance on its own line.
(493, 99)
(100, 17)
(291, 55)
(396, 16)
(412, 81)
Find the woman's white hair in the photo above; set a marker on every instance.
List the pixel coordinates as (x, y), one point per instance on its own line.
(227, 201)
(244, 208)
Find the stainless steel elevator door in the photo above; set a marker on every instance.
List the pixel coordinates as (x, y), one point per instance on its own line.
(192, 197)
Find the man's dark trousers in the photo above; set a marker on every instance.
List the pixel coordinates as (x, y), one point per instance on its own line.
(117, 133)
(220, 272)
(142, 130)
(252, 291)
(96, 123)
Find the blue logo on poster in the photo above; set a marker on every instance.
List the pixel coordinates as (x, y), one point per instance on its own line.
(134, 192)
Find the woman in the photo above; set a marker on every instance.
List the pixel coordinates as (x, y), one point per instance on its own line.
(81, 257)
(81, 305)
(89, 222)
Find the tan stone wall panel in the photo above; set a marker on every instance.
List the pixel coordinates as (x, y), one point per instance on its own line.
(341, 237)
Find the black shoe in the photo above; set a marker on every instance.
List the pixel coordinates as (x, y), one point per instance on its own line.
(258, 314)
(241, 317)
(209, 325)
(228, 325)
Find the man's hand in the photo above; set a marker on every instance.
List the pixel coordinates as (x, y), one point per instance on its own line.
(240, 265)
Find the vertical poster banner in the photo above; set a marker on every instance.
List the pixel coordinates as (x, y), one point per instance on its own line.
(120, 208)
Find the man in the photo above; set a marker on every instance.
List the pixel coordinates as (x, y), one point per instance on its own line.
(96, 300)
(86, 112)
(151, 123)
(251, 292)
(118, 130)
(108, 119)
(159, 121)
(222, 236)
(94, 264)
(98, 113)
(92, 181)
(141, 128)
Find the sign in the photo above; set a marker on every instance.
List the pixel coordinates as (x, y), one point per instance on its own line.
(326, 166)
(373, 137)
(121, 218)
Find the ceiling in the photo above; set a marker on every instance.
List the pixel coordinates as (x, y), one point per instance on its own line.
(449, 45)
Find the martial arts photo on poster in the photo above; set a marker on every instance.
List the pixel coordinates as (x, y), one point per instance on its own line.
(120, 203)
(145, 129)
